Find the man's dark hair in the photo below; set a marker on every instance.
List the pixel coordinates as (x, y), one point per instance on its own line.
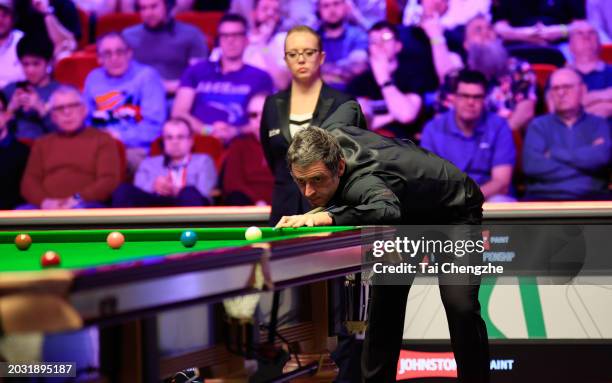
(182, 121)
(233, 18)
(3, 101)
(29, 46)
(312, 145)
(468, 76)
(379, 26)
(109, 35)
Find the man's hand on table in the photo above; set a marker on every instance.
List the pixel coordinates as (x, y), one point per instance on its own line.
(316, 219)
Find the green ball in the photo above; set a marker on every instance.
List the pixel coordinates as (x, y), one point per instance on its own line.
(189, 238)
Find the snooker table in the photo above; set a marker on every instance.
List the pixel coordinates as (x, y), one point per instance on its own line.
(153, 271)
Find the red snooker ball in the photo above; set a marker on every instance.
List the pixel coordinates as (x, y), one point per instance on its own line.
(115, 240)
(50, 259)
(23, 241)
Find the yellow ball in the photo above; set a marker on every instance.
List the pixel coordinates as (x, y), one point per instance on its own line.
(253, 233)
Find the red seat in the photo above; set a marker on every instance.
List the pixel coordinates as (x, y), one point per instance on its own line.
(115, 22)
(543, 72)
(202, 144)
(394, 12)
(206, 22)
(122, 159)
(73, 70)
(606, 53)
(84, 21)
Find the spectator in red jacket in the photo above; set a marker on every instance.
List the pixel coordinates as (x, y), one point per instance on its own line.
(75, 167)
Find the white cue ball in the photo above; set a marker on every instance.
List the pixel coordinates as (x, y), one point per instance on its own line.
(253, 233)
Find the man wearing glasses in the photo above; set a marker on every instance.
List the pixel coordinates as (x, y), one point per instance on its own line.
(74, 167)
(176, 178)
(125, 98)
(213, 96)
(477, 141)
(389, 92)
(566, 154)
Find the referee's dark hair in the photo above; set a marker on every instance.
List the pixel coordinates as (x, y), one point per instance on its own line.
(312, 145)
(468, 76)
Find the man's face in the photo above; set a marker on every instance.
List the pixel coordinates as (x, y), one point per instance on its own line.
(114, 56)
(332, 12)
(383, 42)
(232, 40)
(479, 31)
(178, 140)
(302, 55)
(583, 40)
(35, 69)
(316, 182)
(254, 111)
(67, 111)
(6, 22)
(469, 101)
(267, 11)
(152, 12)
(566, 91)
(431, 7)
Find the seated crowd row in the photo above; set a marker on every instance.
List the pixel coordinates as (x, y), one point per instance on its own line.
(483, 106)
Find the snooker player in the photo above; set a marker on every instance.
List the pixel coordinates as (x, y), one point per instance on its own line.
(366, 179)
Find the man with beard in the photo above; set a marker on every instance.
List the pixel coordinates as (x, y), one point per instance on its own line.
(512, 83)
(345, 45)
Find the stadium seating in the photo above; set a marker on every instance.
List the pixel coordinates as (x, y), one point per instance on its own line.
(115, 22)
(606, 53)
(202, 144)
(205, 21)
(73, 70)
(543, 72)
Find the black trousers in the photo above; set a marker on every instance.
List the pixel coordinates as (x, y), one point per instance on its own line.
(467, 329)
(386, 327)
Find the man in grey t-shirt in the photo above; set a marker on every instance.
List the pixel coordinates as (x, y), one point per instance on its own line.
(167, 45)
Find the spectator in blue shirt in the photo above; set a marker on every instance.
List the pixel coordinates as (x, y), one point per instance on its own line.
(213, 96)
(585, 47)
(125, 98)
(477, 141)
(345, 45)
(567, 152)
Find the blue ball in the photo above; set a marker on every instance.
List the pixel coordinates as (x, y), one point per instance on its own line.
(189, 238)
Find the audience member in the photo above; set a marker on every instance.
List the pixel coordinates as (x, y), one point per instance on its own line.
(125, 98)
(54, 21)
(27, 105)
(389, 91)
(164, 43)
(266, 43)
(13, 157)
(247, 179)
(585, 48)
(175, 178)
(345, 45)
(425, 43)
(213, 96)
(566, 153)
(9, 37)
(537, 22)
(599, 14)
(511, 82)
(459, 12)
(475, 140)
(75, 167)
(293, 12)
